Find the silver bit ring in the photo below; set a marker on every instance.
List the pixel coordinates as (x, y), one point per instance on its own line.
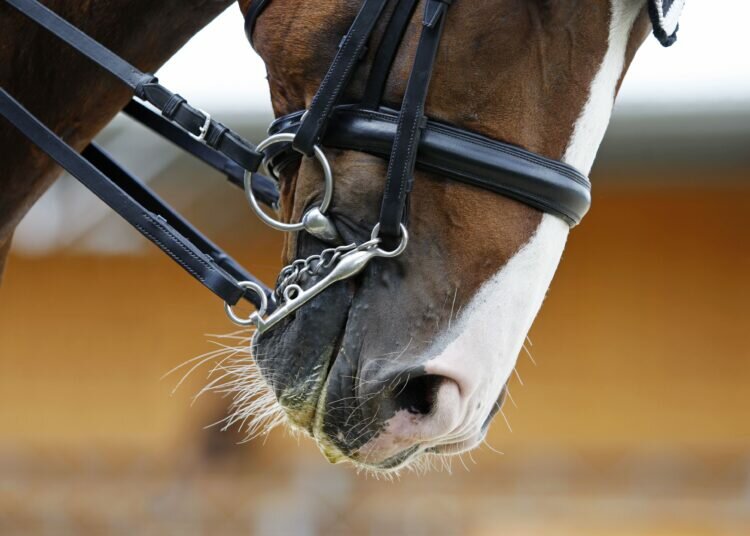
(401, 247)
(253, 318)
(286, 137)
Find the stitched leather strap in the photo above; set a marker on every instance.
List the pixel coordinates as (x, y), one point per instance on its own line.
(194, 121)
(148, 199)
(548, 185)
(457, 154)
(389, 45)
(265, 189)
(336, 80)
(139, 206)
(412, 120)
(84, 44)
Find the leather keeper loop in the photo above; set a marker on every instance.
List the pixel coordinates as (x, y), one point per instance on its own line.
(140, 88)
(433, 10)
(171, 106)
(215, 133)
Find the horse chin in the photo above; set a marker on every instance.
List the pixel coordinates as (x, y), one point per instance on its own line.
(295, 358)
(310, 361)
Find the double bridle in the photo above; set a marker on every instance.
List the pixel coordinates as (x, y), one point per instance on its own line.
(406, 137)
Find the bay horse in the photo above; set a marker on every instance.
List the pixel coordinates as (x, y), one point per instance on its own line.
(413, 356)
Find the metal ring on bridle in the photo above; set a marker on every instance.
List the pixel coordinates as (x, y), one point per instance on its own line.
(401, 247)
(286, 137)
(251, 320)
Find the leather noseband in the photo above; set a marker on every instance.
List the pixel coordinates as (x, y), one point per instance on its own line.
(455, 153)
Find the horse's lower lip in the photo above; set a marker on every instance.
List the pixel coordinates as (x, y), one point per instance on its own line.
(457, 447)
(336, 349)
(394, 462)
(296, 356)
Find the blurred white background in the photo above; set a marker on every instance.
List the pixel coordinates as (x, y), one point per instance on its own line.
(709, 65)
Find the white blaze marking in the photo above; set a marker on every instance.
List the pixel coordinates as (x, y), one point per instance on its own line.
(480, 350)
(592, 123)
(493, 327)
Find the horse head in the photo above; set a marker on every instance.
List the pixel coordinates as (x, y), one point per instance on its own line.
(413, 355)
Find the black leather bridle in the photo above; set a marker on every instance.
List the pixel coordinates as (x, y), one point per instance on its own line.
(405, 137)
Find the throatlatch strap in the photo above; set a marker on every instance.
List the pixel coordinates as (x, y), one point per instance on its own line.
(150, 224)
(389, 45)
(412, 121)
(146, 87)
(351, 50)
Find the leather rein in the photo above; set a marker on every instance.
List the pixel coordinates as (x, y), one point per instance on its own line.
(406, 138)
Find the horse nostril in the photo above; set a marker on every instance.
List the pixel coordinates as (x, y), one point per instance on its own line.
(415, 411)
(418, 395)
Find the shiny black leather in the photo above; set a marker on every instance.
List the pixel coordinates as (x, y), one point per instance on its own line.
(399, 178)
(145, 86)
(545, 184)
(406, 136)
(336, 80)
(548, 185)
(217, 136)
(265, 189)
(386, 54)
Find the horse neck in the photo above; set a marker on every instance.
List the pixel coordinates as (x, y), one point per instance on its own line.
(67, 92)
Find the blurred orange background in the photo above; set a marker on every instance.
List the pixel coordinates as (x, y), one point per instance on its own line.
(633, 420)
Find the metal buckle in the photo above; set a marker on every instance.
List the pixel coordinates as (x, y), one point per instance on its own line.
(204, 129)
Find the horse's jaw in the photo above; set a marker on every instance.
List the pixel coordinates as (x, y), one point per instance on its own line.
(326, 375)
